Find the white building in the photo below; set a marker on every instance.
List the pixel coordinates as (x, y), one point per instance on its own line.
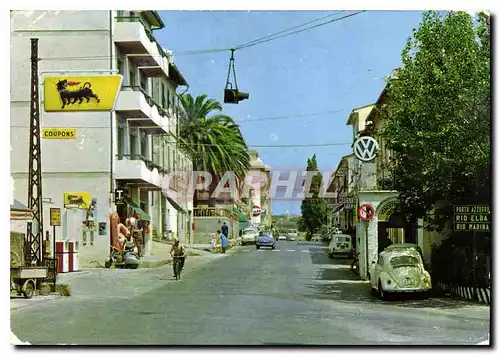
(260, 197)
(132, 148)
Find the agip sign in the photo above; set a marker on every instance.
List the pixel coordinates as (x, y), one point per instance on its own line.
(81, 93)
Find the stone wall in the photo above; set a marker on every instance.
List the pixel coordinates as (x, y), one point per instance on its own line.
(205, 227)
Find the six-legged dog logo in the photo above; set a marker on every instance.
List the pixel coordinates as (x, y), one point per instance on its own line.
(69, 97)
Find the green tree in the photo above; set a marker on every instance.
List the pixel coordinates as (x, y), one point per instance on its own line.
(437, 118)
(314, 209)
(216, 141)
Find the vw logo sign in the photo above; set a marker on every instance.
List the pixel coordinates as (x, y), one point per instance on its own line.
(365, 148)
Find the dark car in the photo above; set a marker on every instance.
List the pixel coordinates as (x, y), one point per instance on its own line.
(265, 239)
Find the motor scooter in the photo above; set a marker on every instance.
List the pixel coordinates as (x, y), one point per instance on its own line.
(126, 259)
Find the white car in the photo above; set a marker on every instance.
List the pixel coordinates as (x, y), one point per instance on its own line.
(249, 235)
(282, 237)
(399, 271)
(340, 245)
(292, 234)
(316, 238)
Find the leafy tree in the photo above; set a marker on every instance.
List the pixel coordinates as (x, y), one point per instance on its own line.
(314, 209)
(216, 141)
(437, 118)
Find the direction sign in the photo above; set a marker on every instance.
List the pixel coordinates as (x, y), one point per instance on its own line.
(55, 217)
(366, 212)
(472, 218)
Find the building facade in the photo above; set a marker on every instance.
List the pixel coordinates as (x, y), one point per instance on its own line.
(133, 148)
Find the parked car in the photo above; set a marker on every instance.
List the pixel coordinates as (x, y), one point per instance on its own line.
(341, 244)
(265, 239)
(401, 247)
(248, 236)
(292, 234)
(316, 238)
(399, 270)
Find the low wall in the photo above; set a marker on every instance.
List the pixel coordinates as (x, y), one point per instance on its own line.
(471, 293)
(205, 227)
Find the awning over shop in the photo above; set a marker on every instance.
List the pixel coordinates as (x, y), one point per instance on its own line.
(18, 211)
(175, 204)
(242, 219)
(144, 216)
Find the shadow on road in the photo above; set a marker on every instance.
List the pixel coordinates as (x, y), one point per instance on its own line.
(336, 281)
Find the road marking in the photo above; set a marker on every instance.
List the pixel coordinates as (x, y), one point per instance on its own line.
(305, 251)
(276, 250)
(290, 250)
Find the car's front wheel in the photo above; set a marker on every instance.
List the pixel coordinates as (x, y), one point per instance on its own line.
(257, 246)
(381, 292)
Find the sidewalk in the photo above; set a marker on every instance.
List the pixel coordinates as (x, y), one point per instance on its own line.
(98, 283)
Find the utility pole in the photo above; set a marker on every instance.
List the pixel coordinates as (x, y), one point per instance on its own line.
(35, 233)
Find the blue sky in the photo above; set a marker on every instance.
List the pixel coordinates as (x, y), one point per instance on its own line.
(339, 66)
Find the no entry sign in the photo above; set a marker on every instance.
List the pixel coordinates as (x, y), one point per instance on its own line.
(366, 212)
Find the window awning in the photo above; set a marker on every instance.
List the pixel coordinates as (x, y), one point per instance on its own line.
(144, 216)
(18, 211)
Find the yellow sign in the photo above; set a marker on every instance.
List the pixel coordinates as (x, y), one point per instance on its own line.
(55, 216)
(80, 199)
(59, 133)
(81, 93)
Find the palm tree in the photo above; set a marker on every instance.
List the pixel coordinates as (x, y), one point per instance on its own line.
(216, 141)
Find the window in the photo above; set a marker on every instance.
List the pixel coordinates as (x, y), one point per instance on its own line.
(162, 93)
(144, 151)
(167, 98)
(132, 78)
(133, 146)
(144, 83)
(120, 133)
(119, 65)
(404, 261)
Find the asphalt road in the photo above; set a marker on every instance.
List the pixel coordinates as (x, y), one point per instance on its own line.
(291, 295)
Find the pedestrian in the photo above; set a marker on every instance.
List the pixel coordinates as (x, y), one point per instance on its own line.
(225, 230)
(224, 243)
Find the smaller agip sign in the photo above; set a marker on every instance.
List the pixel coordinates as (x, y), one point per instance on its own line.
(81, 93)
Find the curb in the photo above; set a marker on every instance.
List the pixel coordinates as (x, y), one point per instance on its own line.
(481, 295)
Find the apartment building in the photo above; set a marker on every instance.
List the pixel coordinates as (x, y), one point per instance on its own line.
(135, 148)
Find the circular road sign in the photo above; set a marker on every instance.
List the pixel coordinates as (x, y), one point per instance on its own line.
(366, 212)
(365, 148)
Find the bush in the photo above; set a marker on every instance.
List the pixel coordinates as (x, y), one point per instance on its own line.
(453, 261)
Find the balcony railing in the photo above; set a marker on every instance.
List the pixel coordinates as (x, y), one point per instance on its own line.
(151, 102)
(149, 164)
(214, 212)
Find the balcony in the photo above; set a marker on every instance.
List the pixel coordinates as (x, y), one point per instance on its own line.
(139, 172)
(135, 39)
(141, 110)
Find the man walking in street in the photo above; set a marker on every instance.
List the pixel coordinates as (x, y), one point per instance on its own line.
(225, 230)
(224, 243)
